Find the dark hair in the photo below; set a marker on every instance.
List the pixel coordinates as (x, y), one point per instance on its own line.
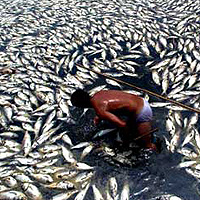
(81, 98)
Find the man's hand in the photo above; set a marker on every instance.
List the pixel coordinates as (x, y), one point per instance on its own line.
(123, 124)
(96, 120)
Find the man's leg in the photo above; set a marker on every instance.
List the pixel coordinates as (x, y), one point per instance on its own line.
(125, 135)
(128, 132)
(142, 129)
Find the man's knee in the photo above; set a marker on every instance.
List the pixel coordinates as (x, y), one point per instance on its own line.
(144, 127)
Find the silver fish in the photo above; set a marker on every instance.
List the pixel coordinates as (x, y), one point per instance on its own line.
(80, 145)
(113, 187)
(82, 166)
(97, 194)
(65, 174)
(43, 178)
(13, 195)
(64, 184)
(125, 192)
(10, 181)
(67, 154)
(64, 196)
(32, 191)
(26, 143)
(82, 193)
(187, 163)
(86, 151)
(103, 132)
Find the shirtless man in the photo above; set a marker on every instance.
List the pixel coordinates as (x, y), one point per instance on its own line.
(107, 103)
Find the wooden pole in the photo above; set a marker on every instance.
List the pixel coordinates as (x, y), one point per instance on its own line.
(141, 136)
(143, 90)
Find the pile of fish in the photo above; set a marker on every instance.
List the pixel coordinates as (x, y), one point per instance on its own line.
(40, 44)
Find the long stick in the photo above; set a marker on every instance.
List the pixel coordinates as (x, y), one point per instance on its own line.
(144, 90)
(141, 136)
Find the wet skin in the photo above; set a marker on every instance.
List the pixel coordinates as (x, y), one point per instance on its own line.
(107, 103)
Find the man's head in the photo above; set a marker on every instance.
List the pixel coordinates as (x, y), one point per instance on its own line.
(81, 99)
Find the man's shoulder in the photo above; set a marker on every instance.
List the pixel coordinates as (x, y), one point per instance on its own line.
(100, 94)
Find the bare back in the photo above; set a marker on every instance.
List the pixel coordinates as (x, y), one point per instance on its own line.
(106, 102)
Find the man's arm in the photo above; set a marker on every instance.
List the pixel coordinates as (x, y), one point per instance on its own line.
(113, 118)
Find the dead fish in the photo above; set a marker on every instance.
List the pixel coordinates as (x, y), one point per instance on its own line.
(197, 139)
(26, 143)
(159, 104)
(125, 192)
(103, 132)
(188, 138)
(63, 184)
(10, 181)
(175, 140)
(13, 195)
(81, 145)
(82, 166)
(43, 178)
(141, 191)
(193, 120)
(83, 177)
(19, 176)
(86, 151)
(66, 139)
(32, 191)
(97, 194)
(114, 83)
(193, 172)
(67, 154)
(187, 163)
(64, 196)
(113, 187)
(82, 193)
(155, 77)
(65, 174)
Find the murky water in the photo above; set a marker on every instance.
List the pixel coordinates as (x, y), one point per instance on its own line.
(151, 178)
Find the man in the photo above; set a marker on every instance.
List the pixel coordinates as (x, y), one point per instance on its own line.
(109, 104)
